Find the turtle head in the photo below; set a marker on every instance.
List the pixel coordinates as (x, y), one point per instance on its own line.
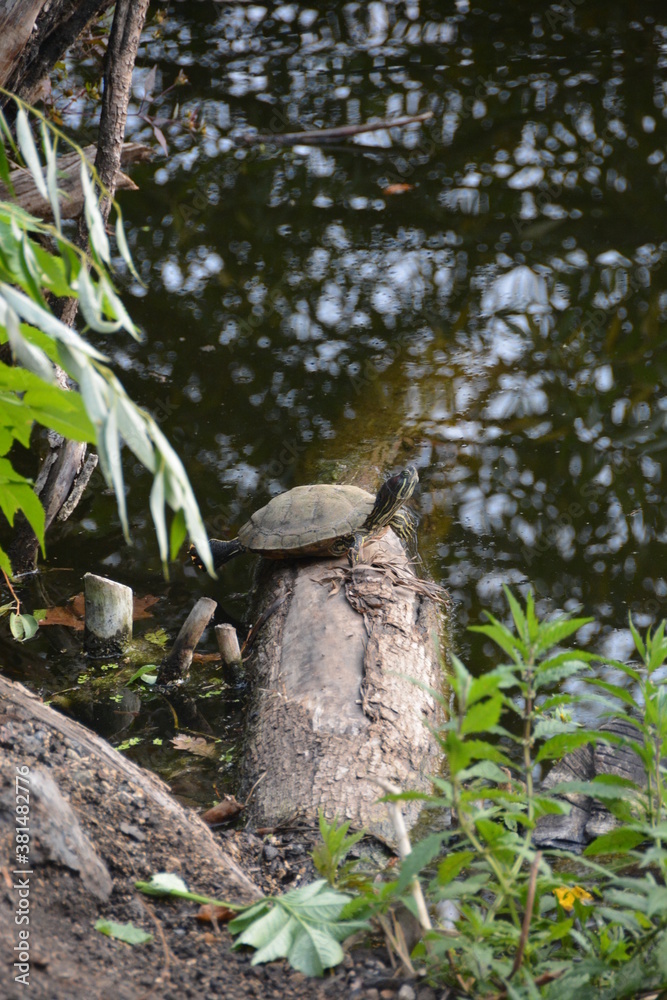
(391, 495)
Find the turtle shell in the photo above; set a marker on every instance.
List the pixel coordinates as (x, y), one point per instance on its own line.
(306, 520)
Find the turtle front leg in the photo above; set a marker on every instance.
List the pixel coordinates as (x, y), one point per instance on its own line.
(221, 551)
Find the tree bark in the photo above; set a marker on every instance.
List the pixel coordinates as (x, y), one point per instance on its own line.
(334, 702)
(47, 30)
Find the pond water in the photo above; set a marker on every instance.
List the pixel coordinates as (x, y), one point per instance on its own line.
(499, 321)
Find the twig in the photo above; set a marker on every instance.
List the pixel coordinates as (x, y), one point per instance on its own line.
(395, 940)
(530, 900)
(12, 592)
(249, 795)
(404, 848)
(320, 135)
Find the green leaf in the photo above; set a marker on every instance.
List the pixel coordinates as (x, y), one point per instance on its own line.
(29, 152)
(551, 633)
(51, 175)
(177, 533)
(16, 625)
(300, 926)
(638, 641)
(123, 932)
(453, 864)
(482, 716)
(16, 494)
(517, 614)
(502, 637)
(563, 743)
(623, 839)
(610, 787)
(421, 855)
(614, 690)
(98, 238)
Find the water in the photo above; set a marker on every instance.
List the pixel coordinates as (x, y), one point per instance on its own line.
(501, 323)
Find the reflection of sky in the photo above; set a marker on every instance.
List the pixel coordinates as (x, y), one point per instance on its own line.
(510, 305)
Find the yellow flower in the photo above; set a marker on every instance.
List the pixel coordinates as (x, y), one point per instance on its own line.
(566, 896)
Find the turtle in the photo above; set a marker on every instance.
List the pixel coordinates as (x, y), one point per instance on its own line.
(322, 520)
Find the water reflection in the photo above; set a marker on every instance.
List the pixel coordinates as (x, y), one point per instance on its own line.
(501, 320)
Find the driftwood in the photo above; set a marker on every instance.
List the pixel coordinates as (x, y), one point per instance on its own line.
(333, 706)
(25, 193)
(319, 136)
(588, 818)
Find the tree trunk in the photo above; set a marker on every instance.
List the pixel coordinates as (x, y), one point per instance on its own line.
(334, 701)
(35, 34)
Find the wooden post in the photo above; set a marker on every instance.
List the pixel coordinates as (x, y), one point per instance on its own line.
(176, 664)
(228, 644)
(108, 616)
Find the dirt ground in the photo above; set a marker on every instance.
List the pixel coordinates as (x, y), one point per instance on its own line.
(98, 823)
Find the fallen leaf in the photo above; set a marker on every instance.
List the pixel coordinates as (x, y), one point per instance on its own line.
(398, 188)
(72, 614)
(142, 604)
(195, 744)
(211, 914)
(223, 812)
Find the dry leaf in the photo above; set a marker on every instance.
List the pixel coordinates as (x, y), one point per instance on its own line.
(223, 812)
(195, 744)
(398, 188)
(72, 614)
(209, 913)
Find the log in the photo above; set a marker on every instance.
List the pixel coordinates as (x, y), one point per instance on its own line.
(24, 191)
(109, 610)
(588, 818)
(333, 706)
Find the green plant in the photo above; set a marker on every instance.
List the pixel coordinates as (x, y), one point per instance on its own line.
(330, 854)
(304, 925)
(513, 921)
(39, 263)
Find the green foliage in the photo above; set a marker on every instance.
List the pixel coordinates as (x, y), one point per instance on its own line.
(123, 932)
(38, 262)
(303, 925)
(517, 924)
(330, 854)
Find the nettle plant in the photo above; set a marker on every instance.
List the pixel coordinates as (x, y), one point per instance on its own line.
(514, 921)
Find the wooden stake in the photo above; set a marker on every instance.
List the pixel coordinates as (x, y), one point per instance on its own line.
(176, 664)
(228, 644)
(108, 616)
